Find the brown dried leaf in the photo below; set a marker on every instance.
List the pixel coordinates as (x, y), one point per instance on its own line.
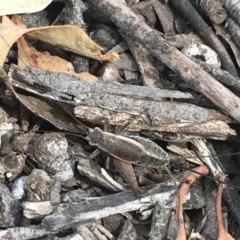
(29, 57)
(74, 39)
(68, 37)
(9, 33)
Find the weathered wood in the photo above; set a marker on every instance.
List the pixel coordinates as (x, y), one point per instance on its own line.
(71, 85)
(208, 156)
(10, 208)
(165, 16)
(130, 25)
(24, 233)
(232, 7)
(116, 104)
(233, 29)
(37, 210)
(214, 10)
(186, 9)
(69, 215)
(222, 76)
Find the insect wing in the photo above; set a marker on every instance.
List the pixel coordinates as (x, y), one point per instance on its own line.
(154, 154)
(123, 148)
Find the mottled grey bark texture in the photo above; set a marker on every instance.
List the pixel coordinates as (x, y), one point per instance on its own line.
(130, 25)
(186, 9)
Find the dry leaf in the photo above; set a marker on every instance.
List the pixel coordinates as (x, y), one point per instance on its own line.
(9, 7)
(68, 37)
(30, 57)
(9, 33)
(74, 39)
(51, 112)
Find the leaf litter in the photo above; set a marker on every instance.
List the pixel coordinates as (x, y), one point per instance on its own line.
(47, 34)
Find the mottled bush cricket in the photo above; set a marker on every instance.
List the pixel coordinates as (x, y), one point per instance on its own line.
(129, 150)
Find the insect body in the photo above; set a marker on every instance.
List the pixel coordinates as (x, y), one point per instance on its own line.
(135, 150)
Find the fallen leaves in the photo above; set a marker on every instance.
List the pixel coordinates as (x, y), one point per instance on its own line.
(29, 57)
(74, 39)
(67, 37)
(22, 6)
(9, 33)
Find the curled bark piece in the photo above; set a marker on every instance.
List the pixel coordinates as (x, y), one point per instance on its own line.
(214, 10)
(130, 25)
(192, 16)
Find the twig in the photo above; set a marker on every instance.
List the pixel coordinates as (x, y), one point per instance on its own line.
(222, 76)
(165, 16)
(222, 232)
(192, 177)
(192, 16)
(232, 7)
(72, 214)
(233, 29)
(214, 10)
(130, 25)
